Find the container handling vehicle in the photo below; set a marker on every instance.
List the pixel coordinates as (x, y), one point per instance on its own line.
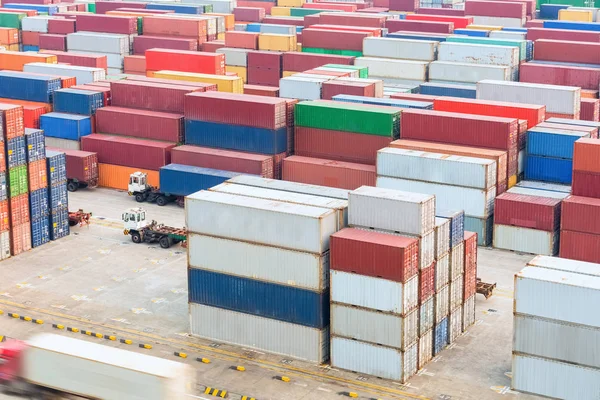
(138, 186)
(136, 225)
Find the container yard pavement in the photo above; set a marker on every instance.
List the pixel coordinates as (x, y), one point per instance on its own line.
(98, 280)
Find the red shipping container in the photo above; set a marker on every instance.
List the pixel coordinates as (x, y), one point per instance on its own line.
(470, 252)
(212, 47)
(30, 38)
(172, 26)
(242, 40)
(530, 5)
(278, 164)
(142, 124)
(11, 120)
(314, 19)
(317, 171)
(128, 152)
(82, 166)
(31, 118)
(535, 212)
(376, 32)
(150, 96)
(265, 59)
(30, 13)
(103, 6)
(235, 161)
(348, 7)
(134, 65)
(374, 254)
(586, 184)
(590, 110)
(395, 25)
(143, 43)
(459, 22)
(580, 246)
(563, 34)
(375, 21)
(404, 5)
(522, 134)
(441, 11)
(106, 24)
(186, 61)
(426, 283)
(82, 60)
(20, 238)
(298, 61)
(37, 171)
(268, 91)
(581, 214)
(282, 20)
(332, 88)
(249, 14)
(586, 154)
(495, 9)
(414, 97)
(4, 216)
(263, 76)
(19, 209)
(336, 40)
(534, 114)
(105, 92)
(53, 42)
(566, 51)
(255, 111)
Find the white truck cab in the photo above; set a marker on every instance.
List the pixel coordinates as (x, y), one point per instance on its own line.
(134, 219)
(138, 182)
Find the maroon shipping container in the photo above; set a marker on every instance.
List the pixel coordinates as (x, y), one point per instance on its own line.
(326, 39)
(298, 61)
(374, 254)
(103, 6)
(522, 135)
(282, 20)
(590, 109)
(235, 161)
(338, 145)
(82, 60)
(403, 5)
(237, 109)
(395, 25)
(334, 87)
(535, 212)
(143, 43)
(212, 47)
(249, 14)
(53, 42)
(265, 59)
(375, 10)
(172, 26)
(563, 34)
(580, 246)
(61, 26)
(142, 124)
(470, 251)
(278, 164)
(317, 171)
(451, 12)
(269, 91)
(581, 214)
(150, 96)
(128, 152)
(313, 19)
(263, 76)
(106, 24)
(586, 184)
(495, 9)
(374, 21)
(534, 23)
(82, 166)
(566, 51)
(105, 92)
(426, 283)
(242, 40)
(413, 97)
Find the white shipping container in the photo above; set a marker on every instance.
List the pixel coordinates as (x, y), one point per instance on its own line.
(219, 6)
(426, 248)
(375, 327)
(266, 263)
(557, 99)
(425, 348)
(559, 295)
(478, 54)
(468, 313)
(300, 88)
(525, 240)
(235, 57)
(558, 340)
(274, 223)
(259, 333)
(405, 49)
(391, 210)
(436, 167)
(506, 22)
(115, 73)
(538, 192)
(553, 187)
(554, 379)
(442, 271)
(457, 261)
(38, 23)
(278, 29)
(339, 206)
(455, 322)
(442, 237)
(371, 359)
(456, 292)
(65, 144)
(113, 61)
(101, 42)
(349, 73)
(395, 69)
(82, 75)
(442, 303)
(4, 243)
(510, 35)
(375, 293)
(521, 162)
(426, 316)
(564, 264)
(294, 187)
(447, 71)
(476, 202)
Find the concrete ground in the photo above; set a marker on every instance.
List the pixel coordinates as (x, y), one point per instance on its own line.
(98, 280)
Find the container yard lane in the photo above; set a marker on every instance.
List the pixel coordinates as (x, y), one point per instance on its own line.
(97, 285)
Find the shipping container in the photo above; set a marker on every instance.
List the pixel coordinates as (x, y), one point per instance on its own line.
(459, 22)
(525, 211)
(58, 198)
(83, 60)
(455, 290)
(298, 61)
(417, 50)
(183, 180)
(16, 152)
(106, 23)
(186, 61)
(442, 237)
(83, 75)
(104, 43)
(563, 34)
(307, 88)
(62, 143)
(580, 214)
(38, 203)
(460, 72)
(455, 321)
(143, 43)
(425, 348)
(76, 101)
(553, 142)
(440, 336)
(22, 86)
(457, 228)
(526, 240)
(65, 126)
(57, 169)
(426, 283)
(442, 272)
(140, 123)
(468, 313)
(20, 238)
(316, 171)
(478, 54)
(457, 261)
(293, 187)
(178, 27)
(117, 176)
(549, 169)
(394, 69)
(333, 40)
(37, 173)
(19, 210)
(396, 25)
(18, 182)
(544, 186)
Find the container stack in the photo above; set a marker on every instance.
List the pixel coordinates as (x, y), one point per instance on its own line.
(57, 194)
(547, 291)
(37, 170)
(470, 279)
(444, 233)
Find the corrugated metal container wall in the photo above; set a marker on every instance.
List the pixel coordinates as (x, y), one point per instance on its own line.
(527, 211)
(442, 237)
(553, 142)
(260, 333)
(37, 174)
(468, 313)
(580, 246)
(548, 169)
(337, 174)
(186, 61)
(143, 43)
(457, 261)
(106, 23)
(567, 51)
(65, 126)
(455, 289)
(580, 214)
(18, 85)
(5, 245)
(525, 240)
(20, 241)
(455, 321)
(38, 201)
(293, 187)
(442, 272)
(426, 282)
(447, 71)
(83, 75)
(457, 224)
(77, 101)
(395, 25)
(394, 69)
(34, 139)
(440, 336)
(59, 223)
(426, 315)
(140, 123)
(298, 61)
(425, 348)
(183, 180)
(562, 34)
(16, 152)
(419, 50)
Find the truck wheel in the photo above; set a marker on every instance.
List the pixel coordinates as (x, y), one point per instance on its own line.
(161, 201)
(140, 198)
(165, 242)
(136, 237)
(72, 186)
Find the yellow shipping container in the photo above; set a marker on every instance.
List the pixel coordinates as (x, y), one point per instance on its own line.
(12, 47)
(512, 181)
(229, 20)
(117, 177)
(221, 36)
(276, 42)
(485, 27)
(231, 84)
(290, 3)
(299, 47)
(280, 11)
(575, 15)
(240, 71)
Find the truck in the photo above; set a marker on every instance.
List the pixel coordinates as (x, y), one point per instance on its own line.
(50, 366)
(82, 169)
(140, 230)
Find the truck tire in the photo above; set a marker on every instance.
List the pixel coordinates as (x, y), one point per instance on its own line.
(72, 186)
(136, 237)
(161, 200)
(140, 198)
(165, 242)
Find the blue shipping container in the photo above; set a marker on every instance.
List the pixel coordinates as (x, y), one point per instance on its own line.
(38, 204)
(550, 11)
(57, 167)
(483, 227)
(457, 224)
(58, 196)
(27, 47)
(35, 142)
(3, 187)
(573, 26)
(16, 153)
(264, 299)
(529, 50)
(450, 90)
(50, 9)
(180, 8)
(417, 36)
(440, 336)
(509, 29)
(66, 126)
(552, 142)
(40, 231)
(548, 169)
(59, 223)
(182, 180)
(24, 86)
(76, 101)
(236, 137)
(424, 105)
(472, 32)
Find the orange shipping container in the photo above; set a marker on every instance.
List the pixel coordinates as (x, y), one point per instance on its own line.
(38, 178)
(9, 36)
(13, 120)
(117, 177)
(31, 112)
(20, 238)
(586, 155)
(4, 216)
(19, 209)
(135, 65)
(14, 61)
(185, 61)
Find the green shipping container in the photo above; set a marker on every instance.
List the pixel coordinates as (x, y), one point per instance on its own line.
(140, 25)
(91, 7)
(337, 52)
(521, 44)
(18, 181)
(348, 117)
(301, 12)
(363, 72)
(11, 20)
(576, 3)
